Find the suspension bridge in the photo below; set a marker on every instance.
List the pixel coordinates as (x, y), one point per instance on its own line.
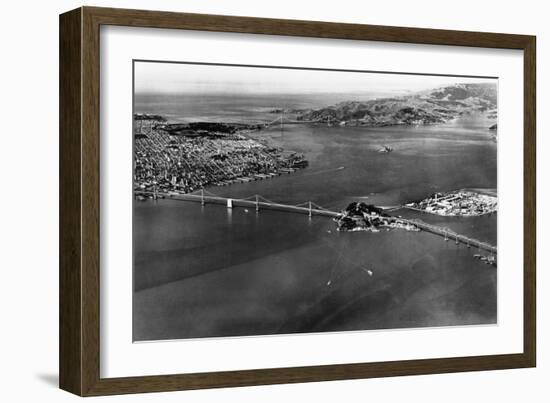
(310, 208)
(256, 202)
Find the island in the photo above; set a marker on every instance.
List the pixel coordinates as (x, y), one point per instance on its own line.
(359, 216)
(464, 202)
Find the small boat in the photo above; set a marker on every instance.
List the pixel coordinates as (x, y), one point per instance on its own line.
(385, 149)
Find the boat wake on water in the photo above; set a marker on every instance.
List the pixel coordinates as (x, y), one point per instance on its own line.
(324, 171)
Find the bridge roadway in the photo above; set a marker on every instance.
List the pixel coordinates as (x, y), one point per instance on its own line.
(452, 236)
(256, 204)
(311, 210)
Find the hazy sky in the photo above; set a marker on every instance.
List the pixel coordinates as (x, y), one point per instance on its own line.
(191, 78)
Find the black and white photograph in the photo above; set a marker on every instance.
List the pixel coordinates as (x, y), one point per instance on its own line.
(260, 202)
(272, 200)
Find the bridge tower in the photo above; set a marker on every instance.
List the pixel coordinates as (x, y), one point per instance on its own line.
(257, 203)
(202, 197)
(309, 212)
(456, 239)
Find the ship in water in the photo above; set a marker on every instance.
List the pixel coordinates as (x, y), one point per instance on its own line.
(385, 149)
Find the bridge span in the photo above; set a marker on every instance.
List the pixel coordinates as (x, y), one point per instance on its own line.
(310, 208)
(256, 202)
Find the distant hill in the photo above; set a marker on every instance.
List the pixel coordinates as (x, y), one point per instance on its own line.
(427, 107)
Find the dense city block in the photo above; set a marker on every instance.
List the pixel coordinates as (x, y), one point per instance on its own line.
(185, 157)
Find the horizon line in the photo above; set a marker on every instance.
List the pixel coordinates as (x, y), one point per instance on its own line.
(312, 68)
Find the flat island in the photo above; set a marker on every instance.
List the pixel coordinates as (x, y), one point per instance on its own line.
(463, 203)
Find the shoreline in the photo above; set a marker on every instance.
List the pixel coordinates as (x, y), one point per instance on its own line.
(405, 207)
(192, 156)
(464, 202)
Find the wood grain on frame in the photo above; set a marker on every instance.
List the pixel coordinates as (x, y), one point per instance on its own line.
(79, 200)
(70, 280)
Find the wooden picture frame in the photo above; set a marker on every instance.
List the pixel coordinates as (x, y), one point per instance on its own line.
(79, 348)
